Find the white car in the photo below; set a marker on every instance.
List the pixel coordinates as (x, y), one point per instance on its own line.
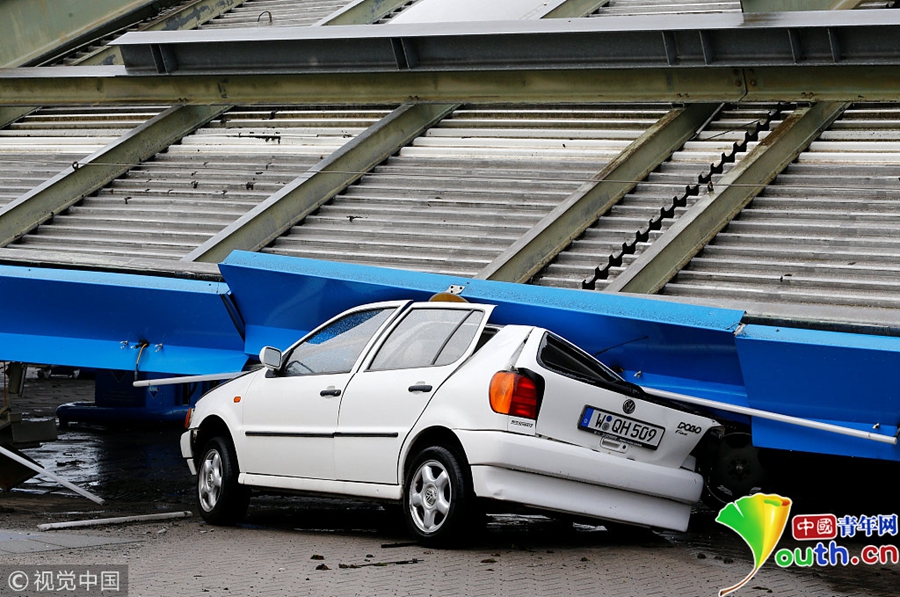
(430, 406)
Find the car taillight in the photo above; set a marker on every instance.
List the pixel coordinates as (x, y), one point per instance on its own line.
(514, 394)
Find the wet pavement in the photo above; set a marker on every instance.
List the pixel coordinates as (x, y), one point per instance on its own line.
(301, 546)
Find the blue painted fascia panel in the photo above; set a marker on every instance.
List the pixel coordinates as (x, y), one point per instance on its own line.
(687, 346)
(94, 319)
(836, 377)
(772, 434)
(823, 374)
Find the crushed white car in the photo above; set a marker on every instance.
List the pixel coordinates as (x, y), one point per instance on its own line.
(431, 406)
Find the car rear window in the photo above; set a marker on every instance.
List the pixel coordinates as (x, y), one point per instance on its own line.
(428, 338)
(558, 355)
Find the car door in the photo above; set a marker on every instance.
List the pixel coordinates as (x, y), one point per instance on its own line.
(290, 415)
(385, 399)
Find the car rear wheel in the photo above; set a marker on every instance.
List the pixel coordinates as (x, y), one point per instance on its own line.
(438, 497)
(220, 498)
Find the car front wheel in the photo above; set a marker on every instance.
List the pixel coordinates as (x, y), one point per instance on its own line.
(438, 497)
(221, 499)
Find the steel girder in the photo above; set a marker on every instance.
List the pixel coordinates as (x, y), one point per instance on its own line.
(110, 86)
(528, 255)
(302, 196)
(690, 233)
(815, 38)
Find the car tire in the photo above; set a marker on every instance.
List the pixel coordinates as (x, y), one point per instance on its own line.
(438, 502)
(220, 498)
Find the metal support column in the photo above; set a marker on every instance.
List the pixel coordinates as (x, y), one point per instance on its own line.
(554, 232)
(298, 199)
(690, 233)
(87, 176)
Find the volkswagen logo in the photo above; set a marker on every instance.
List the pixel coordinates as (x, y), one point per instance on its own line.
(628, 407)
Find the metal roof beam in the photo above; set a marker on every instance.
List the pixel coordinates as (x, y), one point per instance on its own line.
(87, 176)
(110, 86)
(690, 233)
(864, 38)
(277, 214)
(528, 255)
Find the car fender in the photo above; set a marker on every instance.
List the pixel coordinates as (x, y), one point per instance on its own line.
(224, 403)
(462, 401)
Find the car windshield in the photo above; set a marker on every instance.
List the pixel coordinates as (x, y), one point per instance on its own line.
(335, 348)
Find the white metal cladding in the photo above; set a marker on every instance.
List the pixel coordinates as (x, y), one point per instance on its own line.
(623, 233)
(276, 13)
(460, 194)
(47, 141)
(827, 230)
(169, 205)
(653, 7)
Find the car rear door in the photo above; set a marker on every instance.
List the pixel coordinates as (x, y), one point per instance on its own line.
(385, 399)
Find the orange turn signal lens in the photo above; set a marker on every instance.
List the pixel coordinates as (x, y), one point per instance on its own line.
(514, 394)
(187, 418)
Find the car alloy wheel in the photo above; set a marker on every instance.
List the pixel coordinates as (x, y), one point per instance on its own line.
(222, 500)
(431, 496)
(438, 497)
(209, 486)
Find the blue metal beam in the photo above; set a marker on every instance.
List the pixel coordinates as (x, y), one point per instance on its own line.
(100, 320)
(834, 377)
(683, 348)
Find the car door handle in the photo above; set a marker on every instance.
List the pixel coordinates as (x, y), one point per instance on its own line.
(330, 392)
(420, 387)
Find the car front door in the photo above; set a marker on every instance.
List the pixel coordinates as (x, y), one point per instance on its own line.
(290, 415)
(386, 398)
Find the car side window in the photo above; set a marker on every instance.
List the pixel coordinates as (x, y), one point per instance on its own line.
(428, 338)
(335, 348)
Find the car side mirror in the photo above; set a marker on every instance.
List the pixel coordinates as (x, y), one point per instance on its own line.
(270, 357)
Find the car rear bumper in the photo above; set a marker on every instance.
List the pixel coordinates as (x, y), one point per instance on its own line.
(549, 474)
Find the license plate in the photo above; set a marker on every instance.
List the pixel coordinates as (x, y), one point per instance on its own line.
(630, 431)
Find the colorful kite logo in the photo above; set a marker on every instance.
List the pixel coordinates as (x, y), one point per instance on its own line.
(759, 519)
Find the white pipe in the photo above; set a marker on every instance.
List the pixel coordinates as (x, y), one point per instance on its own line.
(42, 471)
(764, 414)
(166, 381)
(118, 520)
